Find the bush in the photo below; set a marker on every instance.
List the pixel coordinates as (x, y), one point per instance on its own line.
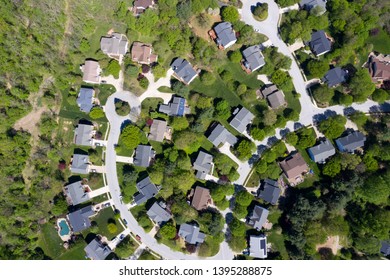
(380, 96)
(235, 56)
(122, 108)
(323, 94)
(317, 68)
(261, 12)
(113, 68)
(112, 228)
(96, 113)
(257, 133)
(168, 231)
(230, 14)
(245, 149)
(207, 78)
(144, 83)
(132, 70)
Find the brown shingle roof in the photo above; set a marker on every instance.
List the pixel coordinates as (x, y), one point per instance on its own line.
(201, 198)
(294, 166)
(142, 53)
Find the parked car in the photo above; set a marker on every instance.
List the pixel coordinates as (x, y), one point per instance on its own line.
(138, 237)
(124, 221)
(122, 236)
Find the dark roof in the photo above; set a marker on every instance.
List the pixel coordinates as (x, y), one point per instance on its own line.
(275, 97)
(322, 151)
(158, 214)
(79, 220)
(335, 77)
(146, 190)
(85, 99)
(201, 198)
(184, 70)
(269, 191)
(76, 193)
(319, 43)
(385, 248)
(80, 164)
(191, 234)
(143, 155)
(175, 108)
(258, 246)
(351, 142)
(83, 135)
(258, 218)
(242, 119)
(225, 34)
(203, 164)
(253, 58)
(310, 4)
(95, 250)
(220, 135)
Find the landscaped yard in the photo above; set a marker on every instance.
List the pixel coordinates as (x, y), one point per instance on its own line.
(147, 256)
(139, 212)
(277, 241)
(381, 42)
(105, 217)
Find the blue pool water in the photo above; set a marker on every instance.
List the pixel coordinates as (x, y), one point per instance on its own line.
(64, 228)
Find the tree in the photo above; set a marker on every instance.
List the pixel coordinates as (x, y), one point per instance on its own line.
(207, 78)
(112, 228)
(257, 133)
(84, 45)
(186, 139)
(60, 205)
(359, 118)
(237, 244)
(204, 102)
(323, 94)
(159, 71)
(261, 167)
(235, 56)
(261, 11)
(332, 168)
(380, 95)
(179, 123)
(224, 164)
(345, 99)
(132, 136)
(167, 231)
(96, 113)
(223, 109)
(241, 89)
(240, 211)
(333, 127)
(230, 14)
(237, 228)
(132, 70)
(269, 117)
(279, 77)
(113, 68)
(307, 137)
(375, 190)
(143, 82)
(292, 138)
(244, 198)
(183, 10)
(180, 89)
(245, 149)
(125, 248)
(361, 85)
(318, 68)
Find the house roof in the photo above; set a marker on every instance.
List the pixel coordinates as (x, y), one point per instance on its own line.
(146, 190)
(143, 155)
(85, 99)
(225, 34)
(276, 99)
(144, 4)
(322, 151)
(385, 248)
(158, 214)
(258, 246)
(203, 164)
(242, 119)
(79, 220)
(268, 90)
(294, 165)
(117, 44)
(142, 53)
(191, 234)
(269, 191)
(76, 193)
(157, 130)
(258, 218)
(83, 134)
(95, 250)
(91, 72)
(183, 70)
(379, 67)
(175, 108)
(335, 76)
(319, 43)
(201, 198)
(220, 135)
(351, 142)
(253, 58)
(80, 164)
(310, 4)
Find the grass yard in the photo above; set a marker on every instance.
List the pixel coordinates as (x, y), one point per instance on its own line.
(206, 144)
(139, 212)
(157, 146)
(105, 217)
(75, 252)
(147, 256)
(277, 241)
(381, 42)
(253, 180)
(103, 92)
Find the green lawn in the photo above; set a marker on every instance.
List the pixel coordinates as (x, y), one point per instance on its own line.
(277, 241)
(381, 42)
(139, 213)
(76, 252)
(206, 144)
(147, 256)
(253, 180)
(105, 217)
(103, 92)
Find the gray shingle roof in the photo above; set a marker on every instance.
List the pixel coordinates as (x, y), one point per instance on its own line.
(191, 234)
(258, 246)
(220, 135)
(351, 142)
(269, 191)
(95, 250)
(319, 43)
(158, 214)
(253, 58)
(91, 71)
(175, 108)
(79, 220)
(80, 164)
(335, 77)
(157, 130)
(258, 218)
(83, 134)
(242, 119)
(203, 164)
(184, 70)
(117, 44)
(274, 96)
(76, 193)
(310, 4)
(85, 99)
(146, 190)
(322, 151)
(143, 155)
(225, 34)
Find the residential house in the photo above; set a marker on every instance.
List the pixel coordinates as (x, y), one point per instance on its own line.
(258, 217)
(159, 130)
(91, 71)
(85, 99)
(351, 142)
(177, 107)
(311, 4)
(220, 135)
(79, 219)
(274, 96)
(379, 68)
(224, 35)
(320, 43)
(83, 134)
(241, 119)
(143, 53)
(294, 166)
(321, 152)
(253, 59)
(385, 248)
(146, 190)
(115, 46)
(158, 214)
(183, 71)
(203, 165)
(201, 198)
(143, 155)
(258, 246)
(96, 250)
(335, 77)
(80, 164)
(139, 6)
(77, 193)
(269, 191)
(191, 234)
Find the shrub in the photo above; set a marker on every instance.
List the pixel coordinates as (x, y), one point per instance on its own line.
(207, 78)
(96, 113)
(230, 14)
(113, 68)
(112, 228)
(144, 83)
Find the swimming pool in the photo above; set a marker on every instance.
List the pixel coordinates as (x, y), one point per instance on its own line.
(64, 228)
